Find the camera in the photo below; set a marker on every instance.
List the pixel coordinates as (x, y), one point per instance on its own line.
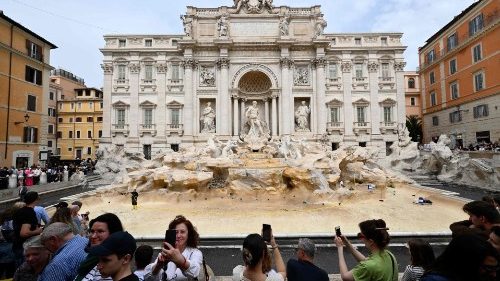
(338, 233)
(266, 232)
(170, 236)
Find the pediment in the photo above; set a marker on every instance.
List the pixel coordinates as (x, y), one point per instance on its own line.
(334, 102)
(147, 103)
(120, 104)
(361, 101)
(388, 101)
(174, 104)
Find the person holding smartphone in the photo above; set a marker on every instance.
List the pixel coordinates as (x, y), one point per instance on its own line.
(257, 260)
(181, 261)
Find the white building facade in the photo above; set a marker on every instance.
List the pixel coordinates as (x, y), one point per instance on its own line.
(169, 91)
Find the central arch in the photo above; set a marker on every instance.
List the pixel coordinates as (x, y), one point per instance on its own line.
(263, 69)
(254, 83)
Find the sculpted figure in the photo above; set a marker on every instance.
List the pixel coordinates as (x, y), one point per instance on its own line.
(207, 77)
(188, 25)
(320, 26)
(301, 116)
(252, 114)
(239, 3)
(222, 26)
(268, 3)
(284, 22)
(208, 119)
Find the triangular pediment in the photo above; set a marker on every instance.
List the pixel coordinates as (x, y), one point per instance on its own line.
(120, 104)
(388, 101)
(174, 104)
(361, 101)
(335, 102)
(147, 103)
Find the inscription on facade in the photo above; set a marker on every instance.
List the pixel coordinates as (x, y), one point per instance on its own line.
(254, 29)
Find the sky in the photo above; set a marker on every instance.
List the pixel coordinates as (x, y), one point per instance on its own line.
(77, 27)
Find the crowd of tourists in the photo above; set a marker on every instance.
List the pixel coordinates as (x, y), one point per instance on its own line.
(68, 246)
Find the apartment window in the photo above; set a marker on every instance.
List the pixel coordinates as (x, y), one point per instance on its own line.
(174, 43)
(79, 105)
(49, 143)
(89, 150)
(387, 114)
(476, 24)
(91, 105)
(334, 114)
(34, 50)
(453, 66)
(90, 119)
(360, 114)
(78, 134)
(413, 101)
(70, 149)
(31, 106)
(33, 75)
(148, 72)
(87, 93)
(384, 41)
(357, 41)
(332, 71)
(121, 73)
(89, 134)
(99, 119)
(60, 106)
(385, 70)
(435, 121)
(79, 93)
(175, 72)
(100, 133)
(60, 120)
(148, 42)
(476, 53)
(454, 90)
(432, 79)
(452, 42)
(70, 134)
(59, 134)
(120, 116)
(78, 119)
(358, 67)
(50, 129)
(455, 117)
(52, 112)
(122, 43)
(101, 105)
(433, 98)
(481, 111)
(478, 81)
(175, 116)
(430, 56)
(51, 95)
(71, 120)
(30, 134)
(72, 105)
(148, 116)
(411, 83)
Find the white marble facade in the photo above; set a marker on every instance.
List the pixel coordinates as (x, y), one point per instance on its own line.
(347, 87)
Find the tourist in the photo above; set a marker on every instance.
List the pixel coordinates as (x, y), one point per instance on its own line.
(181, 261)
(41, 215)
(25, 225)
(466, 258)
(64, 215)
(115, 256)
(7, 257)
(257, 261)
(143, 257)
(134, 196)
(76, 220)
(421, 257)
(482, 217)
(494, 238)
(100, 228)
(303, 268)
(380, 265)
(68, 250)
(37, 257)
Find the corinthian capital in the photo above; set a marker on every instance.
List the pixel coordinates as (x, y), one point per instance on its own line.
(372, 66)
(346, 66)
(319, 62)
(190, 63)
(161, 67)
(134, 67)
(107, 68)
(286, 62)
(399, 66)
(222, 62)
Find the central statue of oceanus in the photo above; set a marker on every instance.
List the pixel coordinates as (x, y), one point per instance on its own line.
(255, 131)
(253, 6)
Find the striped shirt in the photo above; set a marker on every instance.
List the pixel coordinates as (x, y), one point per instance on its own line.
(412, 273)
(66, 260)
(95, 275)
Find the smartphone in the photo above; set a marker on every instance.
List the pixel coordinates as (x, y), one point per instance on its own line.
(266, 232)
(170, 236)
(337, 231)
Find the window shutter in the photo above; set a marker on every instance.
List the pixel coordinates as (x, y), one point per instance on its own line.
(28, 46)
(39, 55)
(27, 73)
(475, 112)
(480, 21)
(35, 135)
(38, 77)
(25, 135)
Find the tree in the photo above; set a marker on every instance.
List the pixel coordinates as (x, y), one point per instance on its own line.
(414, 126)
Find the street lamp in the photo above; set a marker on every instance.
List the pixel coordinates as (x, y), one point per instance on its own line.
(26, 118)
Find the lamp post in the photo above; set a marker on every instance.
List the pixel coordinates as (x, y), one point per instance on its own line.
(26, 119)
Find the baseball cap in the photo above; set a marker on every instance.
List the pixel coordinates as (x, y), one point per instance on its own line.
(30, 197)
(119, 243)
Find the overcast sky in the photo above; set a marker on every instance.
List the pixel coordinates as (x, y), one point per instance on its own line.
(77, 26)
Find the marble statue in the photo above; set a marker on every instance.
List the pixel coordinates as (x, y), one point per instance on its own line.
(301, 117)
(239, 3)
(320, 27)
(188, 25)
(223, 26)
(301, 76)
(252, 114)
(208, 119)
(207, 77)
(284, 25)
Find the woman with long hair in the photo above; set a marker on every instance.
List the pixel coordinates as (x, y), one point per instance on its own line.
(381, 265)
(63, 215)
(421, 257)
(257, 261)
(182, 261)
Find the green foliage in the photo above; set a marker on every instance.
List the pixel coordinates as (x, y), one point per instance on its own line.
(414, 125)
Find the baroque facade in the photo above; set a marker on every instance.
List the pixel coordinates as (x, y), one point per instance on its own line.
(252, 66)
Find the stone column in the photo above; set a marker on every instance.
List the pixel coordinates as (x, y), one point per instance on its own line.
(347, 85)
(242, 113)
(134, 114)
(320, 95)
(286, 100)
(188, 64)
(374, 105)
(236, 119)
(400, 91)
(160, 118)
(274, 115)
(266, 110)
(107, 68)
(224, 102)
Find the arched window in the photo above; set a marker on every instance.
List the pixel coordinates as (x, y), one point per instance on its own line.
(411, 83)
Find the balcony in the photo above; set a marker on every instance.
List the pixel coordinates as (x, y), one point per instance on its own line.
(361, 128)
(147, 129)
(121, 83)
(388, 126)
(360, 83)
(119, 129)
(334, 83)
(385, 82)
(335, 127)
(175, 85)
(174, 129)
(147, 84)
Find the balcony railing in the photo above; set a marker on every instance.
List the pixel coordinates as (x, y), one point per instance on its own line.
(359, 79)
(121, 81)
(386, 79)
(335, 127)
(388, 126)
(175, 128)
(147, 128)
(334, 124)
(119, 128)
(361, 124)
